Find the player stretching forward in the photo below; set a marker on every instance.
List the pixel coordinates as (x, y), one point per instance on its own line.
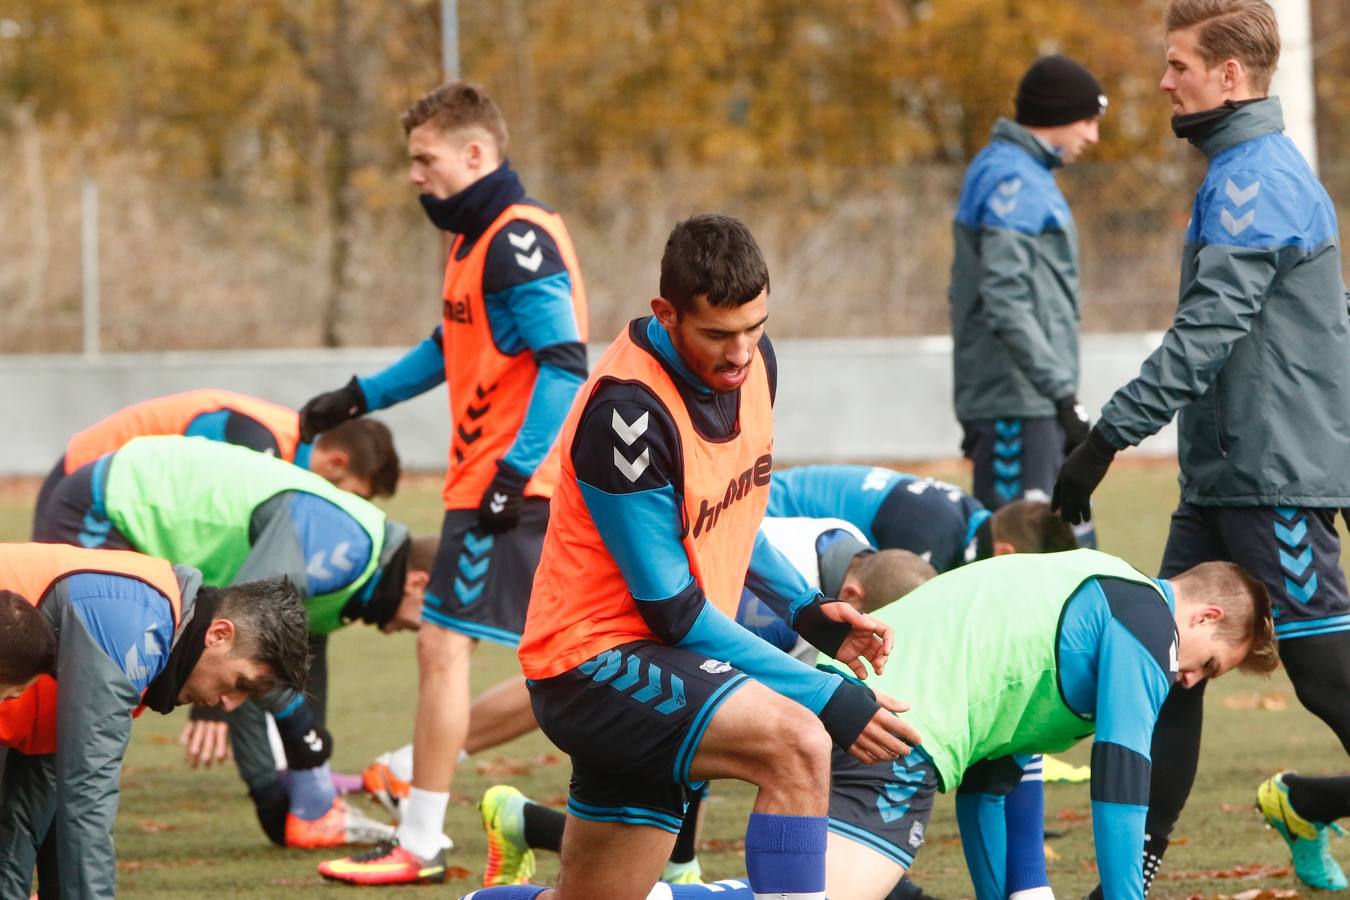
(1256, 367)
(637, 670)
(358, 457)
(122, 632)
(1050, 648)
(510, 347)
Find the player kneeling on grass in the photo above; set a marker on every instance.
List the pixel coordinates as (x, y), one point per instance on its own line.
(238, 516)
(1049, 649)
(115, 632)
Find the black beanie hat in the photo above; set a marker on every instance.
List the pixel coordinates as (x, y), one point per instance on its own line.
(1056, 91)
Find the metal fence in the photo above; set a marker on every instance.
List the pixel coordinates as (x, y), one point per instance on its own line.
(852, 253)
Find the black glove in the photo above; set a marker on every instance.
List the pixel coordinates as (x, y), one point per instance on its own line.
(503, 501)
(331, 409)
(1082, 471)
(1073, 419)
(848, 711)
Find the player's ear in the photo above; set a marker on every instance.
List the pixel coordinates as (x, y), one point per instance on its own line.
(851, 592)
(1003, 548)
(665, 312)
(220, 632)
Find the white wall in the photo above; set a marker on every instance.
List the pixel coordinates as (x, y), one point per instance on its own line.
(876, 399)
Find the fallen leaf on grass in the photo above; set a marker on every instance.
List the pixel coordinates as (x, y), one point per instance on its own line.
(1267, 894)
(714, 845)
(1270, 701)
(502, 765)
(1050, 854)
(1069, 814)
(151, 826)
(1231, 808)
(456, 873)
(1244, 871)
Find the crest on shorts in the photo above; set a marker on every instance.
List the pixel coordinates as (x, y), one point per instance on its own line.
(916, 836)
(715, 666)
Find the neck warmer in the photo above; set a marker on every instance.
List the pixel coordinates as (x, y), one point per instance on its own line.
(473, 209)
(1194, 126)
(162, 694)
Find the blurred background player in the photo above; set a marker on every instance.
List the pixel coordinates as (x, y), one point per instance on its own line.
(1051, 648)
(124, 631)
(1256, 367)
(511, 348)
(357, 457)
(238, 516)
(636, 669)
(1014, 291)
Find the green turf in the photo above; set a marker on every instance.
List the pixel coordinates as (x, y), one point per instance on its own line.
(182, 831)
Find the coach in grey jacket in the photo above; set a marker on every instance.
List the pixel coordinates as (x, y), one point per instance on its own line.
(1256, 365)
(1014, 289)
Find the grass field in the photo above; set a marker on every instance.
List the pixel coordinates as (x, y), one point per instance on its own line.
(183, 831)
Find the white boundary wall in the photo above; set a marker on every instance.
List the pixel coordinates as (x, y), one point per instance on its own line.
(841, 400)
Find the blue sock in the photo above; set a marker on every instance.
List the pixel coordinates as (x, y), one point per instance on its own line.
(786, 855)
(311, 792)
(506, 892)
(1024, 813)
(984, 841)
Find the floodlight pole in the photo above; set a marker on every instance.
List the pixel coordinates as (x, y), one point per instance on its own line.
(450, 39)
(1293, 82)
(89, 265)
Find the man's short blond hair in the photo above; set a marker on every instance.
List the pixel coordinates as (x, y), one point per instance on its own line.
(1246, 610)
(1245, 30)
(457, 105)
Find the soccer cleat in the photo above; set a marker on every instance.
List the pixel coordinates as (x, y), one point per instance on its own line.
(509, 860)
(379, 781)
(1307, 840)
(1056, 771)
(386, 864)
(682, 873)
(339, 826)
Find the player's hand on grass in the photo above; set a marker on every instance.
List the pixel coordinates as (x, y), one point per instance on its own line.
(886, 737)
(1082, 471)
(205, 742)
(328, 410)
(869, 638)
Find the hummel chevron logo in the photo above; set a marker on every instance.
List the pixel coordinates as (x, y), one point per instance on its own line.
(533, 261)
(521, 241)
(629, 433)
(1241, 196)
(1238, 225)
(497, 503)
(313, 741)
(632, 470)
(1003, 208)
(1010, 187)
(318, 566)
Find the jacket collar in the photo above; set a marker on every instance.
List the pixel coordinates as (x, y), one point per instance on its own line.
(473, 209)
(1010, 132)
(1247, 123)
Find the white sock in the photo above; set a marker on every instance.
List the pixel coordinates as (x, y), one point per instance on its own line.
(400, 763)
(419, 831)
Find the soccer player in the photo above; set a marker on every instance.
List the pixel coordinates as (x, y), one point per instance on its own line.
(510, 347)
(1050, 648)
(237, 516)
(123, 631)
(1014, 291)
(946, 525)
(27, 645)
(1256, 366)
(934, 519)
(636, 669)
(359, 457)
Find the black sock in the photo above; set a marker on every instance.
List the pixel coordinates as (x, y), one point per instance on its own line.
(687, 840)
(1319, 799)
(543, 827)
(906, 889)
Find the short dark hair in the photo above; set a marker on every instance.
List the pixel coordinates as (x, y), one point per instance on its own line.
(887, 575)
(715, 256)
(456, 105)
(27, 642)
(424, 550)
(370, 452)
(270, 626)
(1031, 527)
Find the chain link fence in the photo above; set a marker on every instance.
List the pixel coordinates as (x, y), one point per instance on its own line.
(851, 253)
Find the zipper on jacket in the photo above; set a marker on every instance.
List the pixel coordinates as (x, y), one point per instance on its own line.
(1218, 422)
